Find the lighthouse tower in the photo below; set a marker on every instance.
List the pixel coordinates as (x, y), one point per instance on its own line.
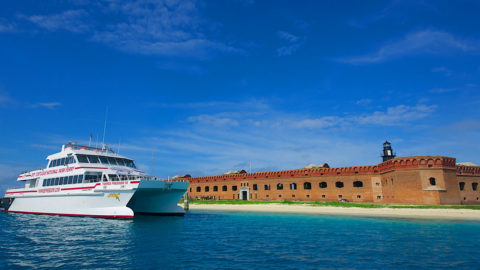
(387, 151)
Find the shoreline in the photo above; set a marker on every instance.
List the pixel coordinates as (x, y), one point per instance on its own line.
(450, 214)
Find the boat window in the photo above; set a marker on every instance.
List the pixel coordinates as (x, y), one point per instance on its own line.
(129, 163)
(70, 160)
(56, 181)
(93, 159)
(80, 178)
(112, 161)
(47, 182)
(70, 179)
(75, 178)
(113, 177)
(104, 160)
(62, 161)
(92, 178)
(50, 163)
(123, 177)
(82, 159)
(120, 161)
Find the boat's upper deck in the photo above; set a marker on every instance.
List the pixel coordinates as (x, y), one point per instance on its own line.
(73, 155)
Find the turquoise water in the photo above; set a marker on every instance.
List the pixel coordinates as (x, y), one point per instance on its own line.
(236, 240)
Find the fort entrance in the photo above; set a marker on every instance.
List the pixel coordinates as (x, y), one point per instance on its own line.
(244, 193)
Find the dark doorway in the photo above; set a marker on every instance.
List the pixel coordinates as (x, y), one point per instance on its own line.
(244, 195)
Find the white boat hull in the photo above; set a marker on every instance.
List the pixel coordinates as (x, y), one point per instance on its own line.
(147, 197)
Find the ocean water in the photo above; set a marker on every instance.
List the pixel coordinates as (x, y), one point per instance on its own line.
(237, 240)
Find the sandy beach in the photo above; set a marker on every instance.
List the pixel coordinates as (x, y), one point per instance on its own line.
(452, 214)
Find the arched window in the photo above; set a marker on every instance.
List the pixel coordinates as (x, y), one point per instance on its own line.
(255, 186)
(307, 185)
(207, 189)
(199, 189)
(339, 184)
(224, 188)
(433, 182)
(462, 185)
(323, 184)
(234, 188)
(279, 186)
(267, 187)
(215, 188)
(357, 184)
(190, 188)
(293, 186)
(474, 186)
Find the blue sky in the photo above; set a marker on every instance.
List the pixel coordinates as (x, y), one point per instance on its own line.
(203, 87)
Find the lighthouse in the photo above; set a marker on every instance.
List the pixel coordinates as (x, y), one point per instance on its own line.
(387, 151)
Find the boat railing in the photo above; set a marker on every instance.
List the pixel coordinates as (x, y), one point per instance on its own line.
(15, 188)
(154, 178)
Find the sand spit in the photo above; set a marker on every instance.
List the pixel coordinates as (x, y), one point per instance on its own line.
(452, 214)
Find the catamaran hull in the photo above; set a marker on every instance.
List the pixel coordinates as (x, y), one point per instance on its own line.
(158, 198)
(148, 197)
(97, 204)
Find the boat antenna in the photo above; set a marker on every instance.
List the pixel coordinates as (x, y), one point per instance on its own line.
(153, 161)
(118, 149)
(90, 141)
(105, 126)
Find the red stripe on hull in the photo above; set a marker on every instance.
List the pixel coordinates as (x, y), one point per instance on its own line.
(98, 184)
(134, 182)
(70, 215)
(102, 168)
(28, 191)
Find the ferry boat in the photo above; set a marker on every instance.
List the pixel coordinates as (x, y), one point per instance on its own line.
(94, 182)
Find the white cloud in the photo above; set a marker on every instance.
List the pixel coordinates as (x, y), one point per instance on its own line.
(421, 42)
(162, 28)
(442, 90)
(288, 50)
(70, 20)
(48, 105)
(287, 36)
(446, 71)
(322, 122)
(213, 120)
(295, 42)
(6, 27)
(364, 101)
(397, 115)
